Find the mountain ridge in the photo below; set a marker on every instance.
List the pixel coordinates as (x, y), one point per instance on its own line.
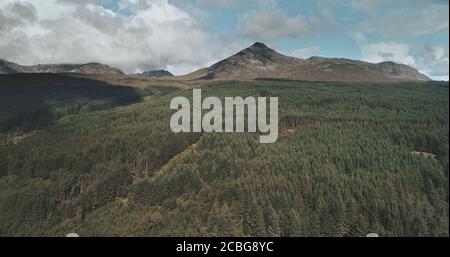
(7, 67)
(254, 62)
(260, 61)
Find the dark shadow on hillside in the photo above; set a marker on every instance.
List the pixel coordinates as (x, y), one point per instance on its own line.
(30, 101)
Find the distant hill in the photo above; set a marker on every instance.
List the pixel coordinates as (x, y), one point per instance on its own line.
(157, 73)
(87, 68)
(259, 61)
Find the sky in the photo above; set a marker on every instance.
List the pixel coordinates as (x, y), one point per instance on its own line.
(184, 35)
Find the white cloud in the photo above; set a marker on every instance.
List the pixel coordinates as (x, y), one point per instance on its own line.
(269, 22)
(431, 60)
(305, 52)
(393, 21)
(143, 34)
(387, 51)
(152, 34)
(220, 3)
(16, 14)
(369, 6)
(265, 24)
(434, 61)
(408, 21)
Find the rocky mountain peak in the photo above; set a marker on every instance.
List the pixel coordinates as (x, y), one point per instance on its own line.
(260, 61)
(157, 73)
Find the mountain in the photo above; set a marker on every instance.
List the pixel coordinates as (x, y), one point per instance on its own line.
(87, 68)
(256, 61)
(157, 73)
(259, 61)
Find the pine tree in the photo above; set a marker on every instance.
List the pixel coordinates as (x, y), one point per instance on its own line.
(253, 217)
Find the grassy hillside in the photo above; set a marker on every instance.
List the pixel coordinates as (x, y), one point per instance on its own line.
(30, 101)
(343, 166)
